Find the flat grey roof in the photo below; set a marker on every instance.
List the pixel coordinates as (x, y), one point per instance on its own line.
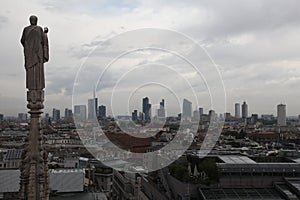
(295, 182)
(79, 196)
(9, 180)
(240, 193)
(234, 159)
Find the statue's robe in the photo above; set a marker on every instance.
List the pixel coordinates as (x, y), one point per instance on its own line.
(36, 52)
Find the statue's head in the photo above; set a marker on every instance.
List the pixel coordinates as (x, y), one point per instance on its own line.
(33, 20)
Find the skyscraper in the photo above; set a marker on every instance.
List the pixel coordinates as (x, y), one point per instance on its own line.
(102, 111)
(227, 116)
(254, 118)
(186, 109)
(244, 110)
(80, 112)
(146, 109)
(281, 115)
(212, 113)
(68, 114)
(162, 103)
(161, 113)
(200, 114)
(237, 110)
(134, 115)
(141, 116)
(55, 114)
(196, 115)
(92, 108)
(22, 117)
(96, 106)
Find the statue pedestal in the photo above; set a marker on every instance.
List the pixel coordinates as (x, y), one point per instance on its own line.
(34, 171)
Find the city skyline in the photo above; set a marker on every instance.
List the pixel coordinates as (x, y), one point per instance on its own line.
(282, 113)
(153, 112)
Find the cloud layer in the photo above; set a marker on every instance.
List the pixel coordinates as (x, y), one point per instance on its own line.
(255, 43)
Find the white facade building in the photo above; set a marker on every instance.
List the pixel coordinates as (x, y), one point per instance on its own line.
(281, 115)
(237, 110)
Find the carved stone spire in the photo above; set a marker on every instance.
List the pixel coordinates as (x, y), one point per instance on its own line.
(34, 171)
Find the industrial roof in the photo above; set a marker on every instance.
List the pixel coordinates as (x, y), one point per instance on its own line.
(9, 181)
(237, 160)
(240, 193)
(79, 196)
(295, 183)
(56, 171)
(13, 154)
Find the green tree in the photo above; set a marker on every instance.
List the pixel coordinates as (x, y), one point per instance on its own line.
(210, 168)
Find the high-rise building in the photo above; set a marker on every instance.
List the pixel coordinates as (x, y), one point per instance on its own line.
(200, 114)
(212, 114)
(92, 108)
(146, 109)
(80, 112)
(141, 116)
(254, 118)
(161, 112)
(68, 114)
(186, 109)
(227, 116)
(200, 111)
(22, 117)
(55, 114)
(196, 115)
(102, 111)
(134, 115)
(162, 104)
(244, 110)
(281, 115)
(237, 110)
(96, 107)
(1, 117)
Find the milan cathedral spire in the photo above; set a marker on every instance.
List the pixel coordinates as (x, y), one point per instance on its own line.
(34, 171)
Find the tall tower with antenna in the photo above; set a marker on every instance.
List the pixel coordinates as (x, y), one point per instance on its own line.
(93, 106)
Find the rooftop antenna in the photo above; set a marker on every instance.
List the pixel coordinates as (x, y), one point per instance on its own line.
(94, 92)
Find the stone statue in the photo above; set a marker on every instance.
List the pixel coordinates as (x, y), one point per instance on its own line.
(34, 182)
(36, 52)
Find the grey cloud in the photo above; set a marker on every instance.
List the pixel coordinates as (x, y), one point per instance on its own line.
(60, 83)
(3, 20)
(251, 70)
(97, 44)
(65, 6)
(12, 102)
(235, 17)
(90, 7)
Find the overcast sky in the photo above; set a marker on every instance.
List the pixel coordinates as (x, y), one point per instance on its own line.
(255, 44)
